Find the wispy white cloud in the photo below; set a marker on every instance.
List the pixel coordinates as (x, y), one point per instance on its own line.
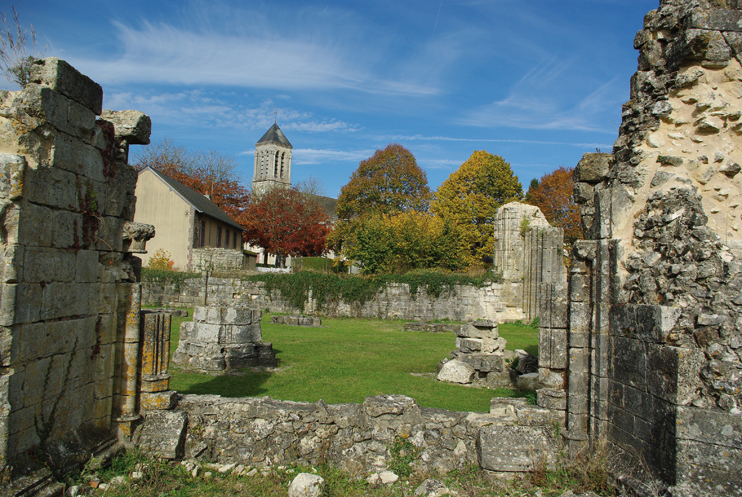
(198, 108)
(300, 55)
(319, 156)
(403, 138)
(547, 97)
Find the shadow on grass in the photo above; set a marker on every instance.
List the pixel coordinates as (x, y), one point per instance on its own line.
(240, 383)
(244, 383)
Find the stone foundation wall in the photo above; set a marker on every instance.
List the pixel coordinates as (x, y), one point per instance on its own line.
(498, 301)
(512, 437)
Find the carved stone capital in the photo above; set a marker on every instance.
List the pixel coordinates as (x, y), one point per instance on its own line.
(135, 236)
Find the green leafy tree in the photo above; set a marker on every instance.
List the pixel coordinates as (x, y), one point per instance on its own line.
(471, 195)
(16, 56)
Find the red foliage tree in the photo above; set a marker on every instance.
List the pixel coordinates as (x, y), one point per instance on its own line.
(286, 221)
(210, 174)
(554, 196)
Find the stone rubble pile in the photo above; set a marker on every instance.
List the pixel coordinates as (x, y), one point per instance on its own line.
(222, 338)
(429, 327)
(297, 320)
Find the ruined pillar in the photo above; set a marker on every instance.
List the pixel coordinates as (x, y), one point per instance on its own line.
(155, 359)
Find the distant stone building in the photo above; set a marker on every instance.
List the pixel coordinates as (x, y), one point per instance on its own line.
(192, 228)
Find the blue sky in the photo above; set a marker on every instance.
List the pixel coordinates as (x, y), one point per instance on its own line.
(536, 82)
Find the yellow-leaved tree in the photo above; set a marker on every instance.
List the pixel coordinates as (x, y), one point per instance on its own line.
(397, 243)
(471, 195)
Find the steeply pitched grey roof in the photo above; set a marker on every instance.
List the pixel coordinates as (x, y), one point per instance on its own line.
(328, 205)
(195, 199)
(275, 135)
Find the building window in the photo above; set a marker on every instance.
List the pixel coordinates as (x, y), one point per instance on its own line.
(218, 236)
(202, 235)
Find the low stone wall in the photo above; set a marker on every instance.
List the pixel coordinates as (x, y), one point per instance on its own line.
(496, 301)
(512, 437)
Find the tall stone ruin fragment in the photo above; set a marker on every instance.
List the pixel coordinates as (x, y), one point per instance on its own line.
(654, 345)
(529, 251)
(69, 291)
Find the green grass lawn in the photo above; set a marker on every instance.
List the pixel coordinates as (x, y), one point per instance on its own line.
(347, 360)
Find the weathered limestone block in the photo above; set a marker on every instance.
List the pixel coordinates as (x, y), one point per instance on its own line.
(12, 175)
(481, 362)
(430, 327)
(593, 168)
(307, 485)
(456, 371)
(299, 320)
(528, 381)
(130, 125)
(163, 434)
(61, 77)
(500, 448)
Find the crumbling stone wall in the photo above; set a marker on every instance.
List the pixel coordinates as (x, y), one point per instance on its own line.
(68, 280)
(655, 330)
(499, 301)
(512, 437)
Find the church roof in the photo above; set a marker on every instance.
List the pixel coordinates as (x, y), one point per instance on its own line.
(275, 135)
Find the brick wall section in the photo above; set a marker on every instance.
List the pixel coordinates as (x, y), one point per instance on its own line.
(67, 194)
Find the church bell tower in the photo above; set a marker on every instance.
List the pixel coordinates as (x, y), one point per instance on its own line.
(272, 161)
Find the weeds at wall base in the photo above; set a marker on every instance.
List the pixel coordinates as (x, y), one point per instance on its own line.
(157, 477)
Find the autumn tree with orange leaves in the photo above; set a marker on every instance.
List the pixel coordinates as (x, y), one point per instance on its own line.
(554, 196)
(286, 221)
(209, 173)
(388, 182)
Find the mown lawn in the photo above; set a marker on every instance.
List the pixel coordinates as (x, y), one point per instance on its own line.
(347, 360)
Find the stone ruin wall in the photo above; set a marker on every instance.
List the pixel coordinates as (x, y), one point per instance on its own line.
(357, 438)
(68, 293)
(529, 252)
(655, 337)
(466, 303)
